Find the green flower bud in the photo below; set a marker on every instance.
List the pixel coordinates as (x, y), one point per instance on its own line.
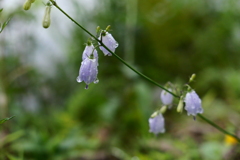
(154, 114)
(108, 27)
(192, 78)
(98, 29)
(46, 19)
(180, 105)
(163, 109)
(27, 5)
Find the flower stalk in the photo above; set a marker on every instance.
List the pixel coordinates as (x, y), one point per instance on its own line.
(139, 73)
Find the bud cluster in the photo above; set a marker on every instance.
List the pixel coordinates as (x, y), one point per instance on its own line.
(46, 18)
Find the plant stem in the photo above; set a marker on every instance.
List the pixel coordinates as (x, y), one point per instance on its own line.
(119, 58)
(219, 128)
(139, 73)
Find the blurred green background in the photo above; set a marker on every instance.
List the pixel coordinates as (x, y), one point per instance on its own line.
(168, 40)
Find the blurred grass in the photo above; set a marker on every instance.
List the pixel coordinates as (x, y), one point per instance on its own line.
(57, 119)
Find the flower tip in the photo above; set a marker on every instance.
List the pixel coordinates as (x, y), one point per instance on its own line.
(108, 28)
(86, 87)
(192, 78)
(27, 5)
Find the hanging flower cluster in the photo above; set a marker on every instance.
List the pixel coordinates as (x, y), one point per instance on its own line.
(188, 100)
(88, 70)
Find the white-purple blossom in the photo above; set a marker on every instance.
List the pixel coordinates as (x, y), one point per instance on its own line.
(166, 97)
(108, 40)
(88, 70)
(88, 51)
(156, 124)
(193, 104)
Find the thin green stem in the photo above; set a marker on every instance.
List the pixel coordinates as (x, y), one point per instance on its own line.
(139, 73)
(119, 58)
(219, 128)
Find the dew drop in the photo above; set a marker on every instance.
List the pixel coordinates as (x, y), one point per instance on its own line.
(96, 81)
(79, 79)
(116, 45)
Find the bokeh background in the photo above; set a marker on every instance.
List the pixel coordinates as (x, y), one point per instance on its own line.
(168, 40)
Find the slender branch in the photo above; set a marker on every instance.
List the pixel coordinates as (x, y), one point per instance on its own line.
(119, 58)
(219, 128)
(139, 73)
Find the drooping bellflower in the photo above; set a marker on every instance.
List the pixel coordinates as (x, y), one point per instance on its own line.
(166, 97)
(88, 70)
(108, 40)
(156, 124)
(193, 104)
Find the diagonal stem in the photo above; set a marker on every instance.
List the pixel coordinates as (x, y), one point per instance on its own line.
(119, 58)
(139, 73)
(219, 128)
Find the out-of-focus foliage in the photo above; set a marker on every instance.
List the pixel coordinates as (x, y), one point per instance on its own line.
(2, 26)
(57, 119)
(5, 119)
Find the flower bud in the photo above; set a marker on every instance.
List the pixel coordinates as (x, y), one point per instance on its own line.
(108, 28)
(180, 105)
(154, 114)
(46, 19)
(163, 109)
(27, 5)
(98, 29)
(192, 78)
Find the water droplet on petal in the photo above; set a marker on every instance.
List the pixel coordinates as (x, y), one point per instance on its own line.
(96, 81)
(116, 45)
(79, 79)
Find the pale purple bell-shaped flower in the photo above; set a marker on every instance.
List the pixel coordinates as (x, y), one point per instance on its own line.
(88, 51)
(156, 124)
(88, 71)
(166, 97)
(109, 42)
(193, 104)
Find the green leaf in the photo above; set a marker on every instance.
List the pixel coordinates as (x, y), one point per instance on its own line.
(5, 119)
(1, 10)
(5, 24)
